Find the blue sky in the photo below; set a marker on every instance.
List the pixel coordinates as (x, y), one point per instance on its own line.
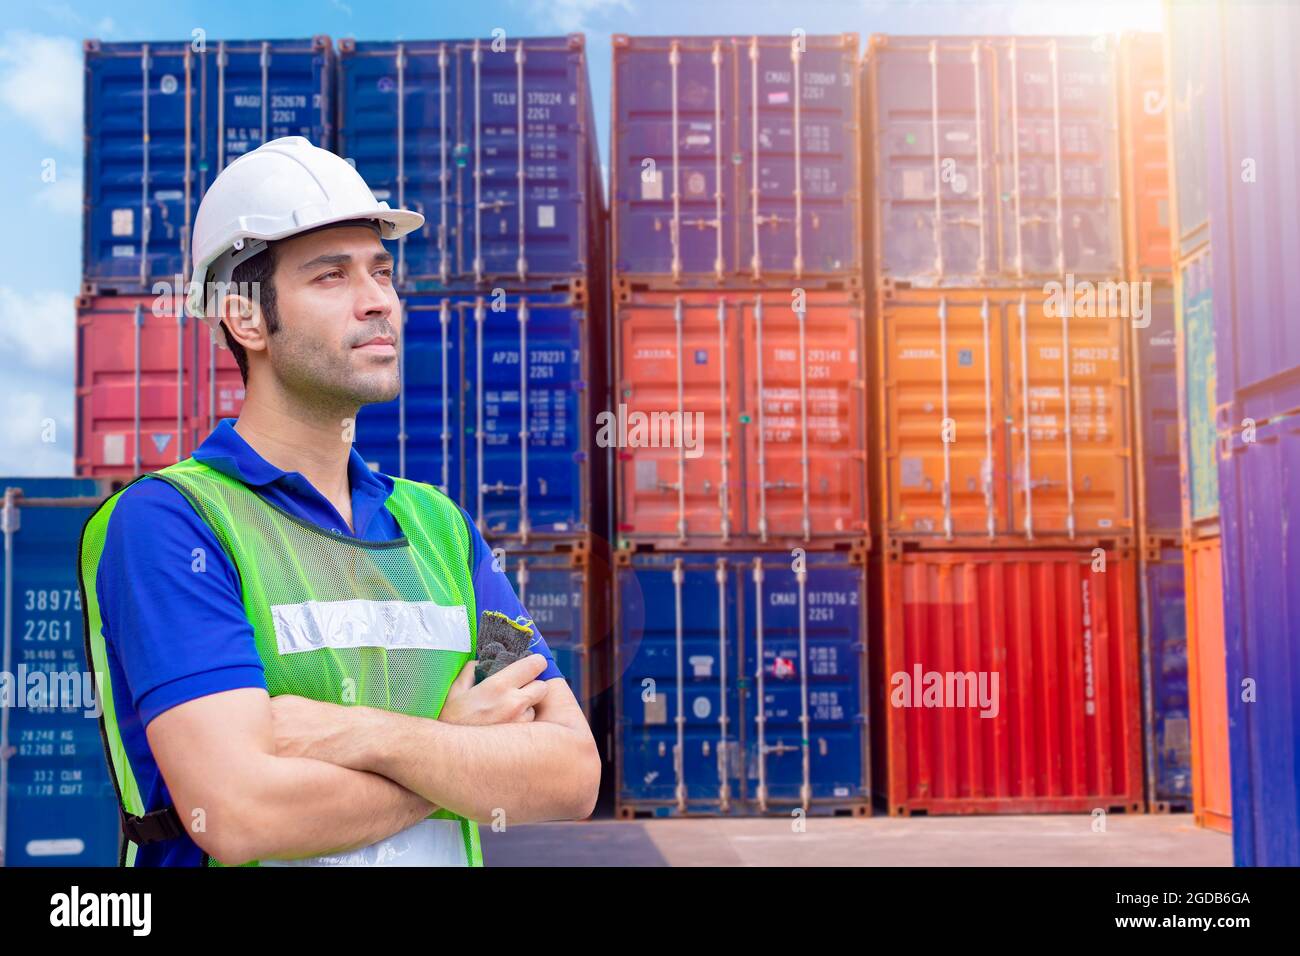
(41, 125)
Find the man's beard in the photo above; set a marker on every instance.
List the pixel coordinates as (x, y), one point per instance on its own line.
(329, 379)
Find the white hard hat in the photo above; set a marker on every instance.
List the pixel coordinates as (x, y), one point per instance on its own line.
(282, 188)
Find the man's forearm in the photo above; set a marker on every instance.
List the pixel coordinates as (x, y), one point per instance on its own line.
(294, 807)
(527, 771)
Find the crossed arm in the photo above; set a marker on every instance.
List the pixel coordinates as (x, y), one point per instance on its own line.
(257, 778)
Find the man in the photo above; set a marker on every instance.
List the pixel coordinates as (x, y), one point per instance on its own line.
(285, 638)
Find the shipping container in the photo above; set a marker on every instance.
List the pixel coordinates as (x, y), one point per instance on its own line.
(1197, 307)
(740, 683)
(1165, 709)
(1006, 682)
(458, 420)
(1207, 684)
(988, 435)
(57, 802)
(740, 419)
(1155, 413)
(735, 161)
(493, 141)
(1145, 152)
(996, 160)
(162, 120)
(1253, 192)
(1261, 620)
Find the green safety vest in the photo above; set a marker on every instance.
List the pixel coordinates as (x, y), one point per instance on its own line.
(385, 624)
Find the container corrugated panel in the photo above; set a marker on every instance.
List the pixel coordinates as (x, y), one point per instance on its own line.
(1207, 684)
(1063, 731)
(735, 160)
(494, 141)
(1261, 610)
(1145, 145)
(60, 808)
(162, 119)
(457, 422)
(1197, 374)
(996, 159)
(1194, 119)
(989, 434)
(703, 640)
(1254, 191)
(1165, 696)
(1156, 414)
(777, 397)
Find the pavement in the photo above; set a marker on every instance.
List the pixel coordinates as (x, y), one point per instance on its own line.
(1056, 840)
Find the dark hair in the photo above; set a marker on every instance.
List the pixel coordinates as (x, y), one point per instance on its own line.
(261, 270)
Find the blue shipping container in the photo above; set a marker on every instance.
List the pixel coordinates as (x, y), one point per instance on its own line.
(736, 159)
(1156, 386)
(691, 631)
(162, 119)
(57, 802)
(996, 159)
(1164, 692)
(492, 140)
(458, 421)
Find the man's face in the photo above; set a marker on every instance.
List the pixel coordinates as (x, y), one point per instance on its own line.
(339, 318)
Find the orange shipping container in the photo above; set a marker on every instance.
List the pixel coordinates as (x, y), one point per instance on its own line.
(990, 436)
(777, 396)
(1207, 685)
(1006, 682)
(1143, 101)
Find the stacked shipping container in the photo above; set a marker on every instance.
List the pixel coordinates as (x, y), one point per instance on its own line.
(1235, 140)
(1004, 595)
(740, 656)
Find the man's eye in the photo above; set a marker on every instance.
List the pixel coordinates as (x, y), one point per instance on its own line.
(332, 274)
(387, 271)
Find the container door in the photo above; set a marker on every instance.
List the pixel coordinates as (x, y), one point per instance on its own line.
(1207, 678)
(1156, 381)
(804, 706)
(677, 649)
(675, 184)
(679, 403)
(944, 443)
(60, 808)
(144, 130)
(1068, 406)
(525, 415)
(804, 405)
(934, 147)
(552, 593)
(1164, 651)
(398, 115)
(797, 149)
(1059, 175)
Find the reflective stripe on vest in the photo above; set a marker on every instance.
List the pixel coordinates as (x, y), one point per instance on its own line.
(384, 624)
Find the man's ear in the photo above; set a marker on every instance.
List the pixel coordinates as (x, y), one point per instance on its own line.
(244, 323)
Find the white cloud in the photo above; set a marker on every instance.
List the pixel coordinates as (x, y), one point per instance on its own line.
(573, 16)
(37, 330)
(41, 83)
(31, 418)
(62, 196)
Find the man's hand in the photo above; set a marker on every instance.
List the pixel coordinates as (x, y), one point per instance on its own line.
(511, 694)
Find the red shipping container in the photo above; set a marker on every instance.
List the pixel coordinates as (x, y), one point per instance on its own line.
(777, 396)
(148, 388)
(1007, 682)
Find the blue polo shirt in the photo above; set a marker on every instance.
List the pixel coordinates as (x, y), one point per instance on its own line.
(173, 636)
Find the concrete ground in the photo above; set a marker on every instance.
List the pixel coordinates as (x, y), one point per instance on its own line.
(1129, 840)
